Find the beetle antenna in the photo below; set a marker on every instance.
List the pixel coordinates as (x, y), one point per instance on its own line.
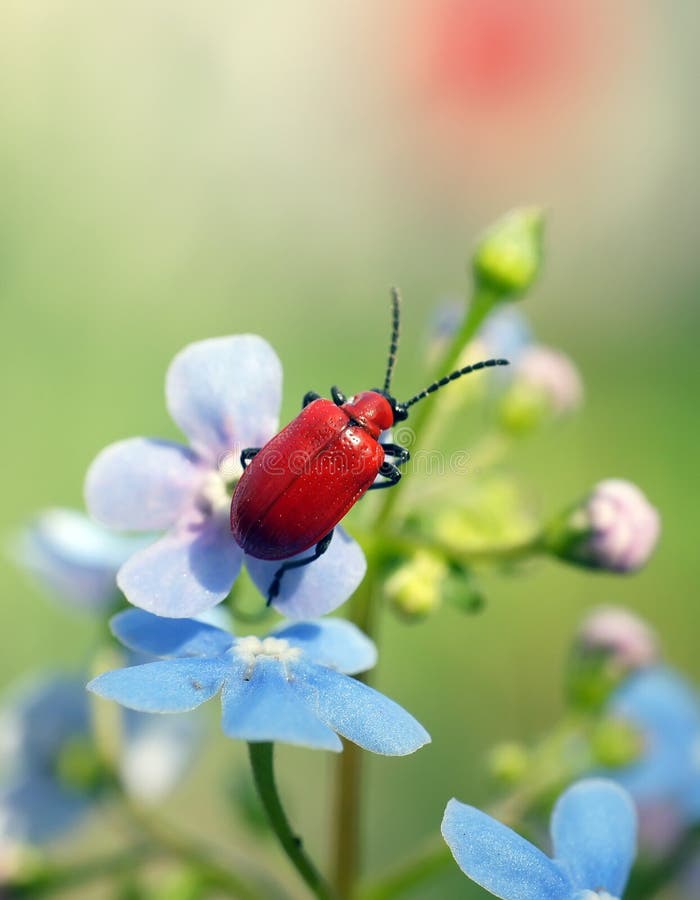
(394, 343)
(453, 376)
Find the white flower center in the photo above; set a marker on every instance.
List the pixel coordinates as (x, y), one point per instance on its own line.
(250, 649)
(595, 895)
(229, 466)
(214, 498)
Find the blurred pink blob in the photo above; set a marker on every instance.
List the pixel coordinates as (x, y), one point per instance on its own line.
(623, 635)
(554, 374)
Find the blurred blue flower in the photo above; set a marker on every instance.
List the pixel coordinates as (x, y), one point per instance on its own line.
(74, 558)
(291, 686)
(505, 332)
(224, 394)
(50, 771)
(593, 828)
(665, 708)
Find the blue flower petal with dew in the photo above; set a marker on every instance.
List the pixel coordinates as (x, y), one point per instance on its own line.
(290, 686)
(594, 829)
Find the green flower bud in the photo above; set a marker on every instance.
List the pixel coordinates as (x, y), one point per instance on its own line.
(415, 588)
(509, 762)
(616, 743)
(508, 257)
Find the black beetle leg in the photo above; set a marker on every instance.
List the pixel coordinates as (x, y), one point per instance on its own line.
(248, 454)
(397, 452)
(319, 550)
(390, 472)
(309, 397)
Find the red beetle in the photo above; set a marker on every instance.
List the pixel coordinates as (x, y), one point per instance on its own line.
(295, 489)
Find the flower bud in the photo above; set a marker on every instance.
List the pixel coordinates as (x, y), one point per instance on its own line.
(508, 762)
(545, 385)
(616, 743)
(508, 257)
(620, 636)
(415, 589)
(614, 528)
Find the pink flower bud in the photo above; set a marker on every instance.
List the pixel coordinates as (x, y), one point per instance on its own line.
(621, 635)
(614, 528)
(554, 375)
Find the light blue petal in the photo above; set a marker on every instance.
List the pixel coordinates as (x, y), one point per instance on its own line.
(38, 717)
(225, 394)
(184, 573)
(594, 833)
(142, 484)
(331, 642)
(318, 588)
(156, 753)
(358, 712)
(158, 636)
(171, 685)
(73, 557)
(666, 709)
(498, 859)
(264, 708)
(37, 808)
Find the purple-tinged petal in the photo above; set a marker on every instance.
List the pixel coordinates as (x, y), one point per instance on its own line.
(331, 642)
(37, 808)
(594, 833)
(167, 686)
(225, 393)
(358, 712)
(73, 557)
(318, 588)
(259, 705)
(499, 859)
(184, 573)
(142, 484)
(158, 636)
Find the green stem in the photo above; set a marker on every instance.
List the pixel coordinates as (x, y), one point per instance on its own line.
(261, 761)
(423, 864)
(182, 848)
(348, 790)
(481, 306)
(59, 878)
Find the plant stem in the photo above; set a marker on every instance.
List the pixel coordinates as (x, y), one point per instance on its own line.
(424, 863)
(185, 850)
(261, 761)
(59, 878)
(348, 789)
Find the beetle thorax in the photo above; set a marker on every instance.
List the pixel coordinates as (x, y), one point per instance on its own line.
(372, 410)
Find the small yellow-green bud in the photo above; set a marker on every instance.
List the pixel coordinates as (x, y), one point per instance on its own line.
(509, 762)
(79, 766)
(616, 743)
(508, 257)
(415, 589)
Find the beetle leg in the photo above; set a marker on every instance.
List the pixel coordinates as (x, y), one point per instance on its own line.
(390, 472)
(248, 454)
(319, 550)
(397, 452)
(309, 397)
(338, 396)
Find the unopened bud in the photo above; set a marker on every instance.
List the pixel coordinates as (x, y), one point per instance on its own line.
(614, 528)
(621, 636)
(508, 762)
(508, 257)
(616, 743)
(415, 589)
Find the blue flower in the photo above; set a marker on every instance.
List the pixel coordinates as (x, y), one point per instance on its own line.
(73, 558)
(594, 830)
(665, 708)
(224, 394)
(291, 686)
(50, 772)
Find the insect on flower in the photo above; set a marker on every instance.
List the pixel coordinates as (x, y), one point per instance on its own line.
(297, 488)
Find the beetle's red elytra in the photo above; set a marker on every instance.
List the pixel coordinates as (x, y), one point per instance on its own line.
(297, 488)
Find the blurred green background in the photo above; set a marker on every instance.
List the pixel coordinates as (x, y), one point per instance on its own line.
(172, 171)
